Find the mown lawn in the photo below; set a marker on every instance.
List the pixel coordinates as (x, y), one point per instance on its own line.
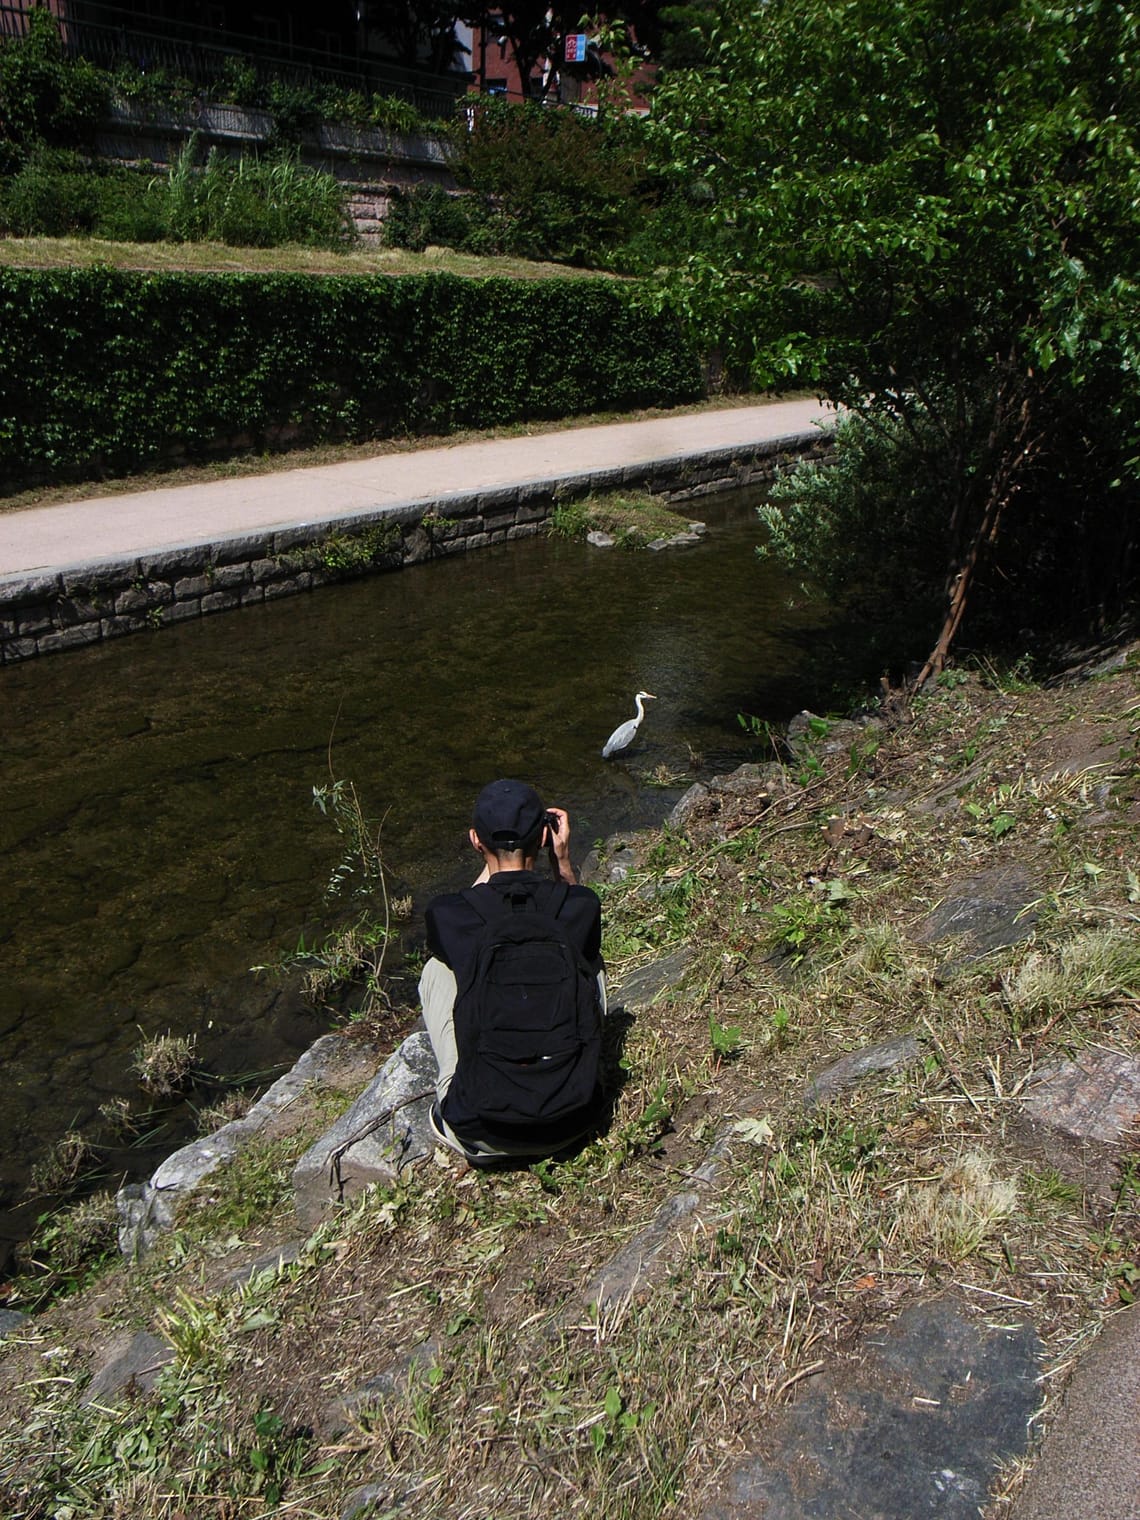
(213, 258)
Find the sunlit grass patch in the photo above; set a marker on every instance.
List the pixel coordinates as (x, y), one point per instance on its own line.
(631, 520)
(952, 1216)
(1092, 968)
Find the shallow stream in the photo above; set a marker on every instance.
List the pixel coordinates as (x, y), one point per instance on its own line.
(156, 821)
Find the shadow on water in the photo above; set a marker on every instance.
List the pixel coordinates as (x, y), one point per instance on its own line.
(156, 822)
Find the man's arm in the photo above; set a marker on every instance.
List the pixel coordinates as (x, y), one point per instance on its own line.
(559, 848)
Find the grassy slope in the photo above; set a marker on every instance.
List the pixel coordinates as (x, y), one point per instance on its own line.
(802, 947)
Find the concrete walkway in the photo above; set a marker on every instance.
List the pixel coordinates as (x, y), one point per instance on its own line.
(1089, 1468)
(43, 539)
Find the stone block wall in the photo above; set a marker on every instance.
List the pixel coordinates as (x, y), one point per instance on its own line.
(77, 605)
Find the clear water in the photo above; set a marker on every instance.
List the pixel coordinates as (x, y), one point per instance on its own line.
(156, 822)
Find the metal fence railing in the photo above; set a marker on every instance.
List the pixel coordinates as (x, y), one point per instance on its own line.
(112, 37)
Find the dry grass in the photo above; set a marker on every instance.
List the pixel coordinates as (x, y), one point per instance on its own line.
(164, 1063)
(220, 258)
(807, 1228)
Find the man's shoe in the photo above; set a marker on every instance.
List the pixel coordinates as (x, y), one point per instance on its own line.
(484, 1160)
(453, 1142)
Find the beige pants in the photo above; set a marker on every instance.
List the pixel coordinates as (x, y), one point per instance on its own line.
(437, 999)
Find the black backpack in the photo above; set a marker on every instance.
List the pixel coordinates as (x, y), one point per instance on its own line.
(528, 1023)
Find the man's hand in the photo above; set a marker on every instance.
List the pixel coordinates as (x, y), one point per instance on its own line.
(559, 847)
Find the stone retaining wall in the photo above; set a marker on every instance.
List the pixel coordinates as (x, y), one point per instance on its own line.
(83, 604)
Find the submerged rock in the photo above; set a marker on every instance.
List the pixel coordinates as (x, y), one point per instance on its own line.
(684, 540)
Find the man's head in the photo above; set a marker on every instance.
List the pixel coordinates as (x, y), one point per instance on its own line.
(508, 820)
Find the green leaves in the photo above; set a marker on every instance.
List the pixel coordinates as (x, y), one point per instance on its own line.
(932, 212)
(109, 371)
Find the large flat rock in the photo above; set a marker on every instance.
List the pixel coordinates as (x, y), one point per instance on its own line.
(917, 1426)
(149, 1209)
(1079, 1116)
(981, 914)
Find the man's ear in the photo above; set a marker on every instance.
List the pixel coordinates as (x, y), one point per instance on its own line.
(476, 843)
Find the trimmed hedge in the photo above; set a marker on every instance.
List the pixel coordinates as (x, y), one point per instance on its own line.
(106, 371)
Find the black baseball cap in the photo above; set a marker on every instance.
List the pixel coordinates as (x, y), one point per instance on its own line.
(507, 814)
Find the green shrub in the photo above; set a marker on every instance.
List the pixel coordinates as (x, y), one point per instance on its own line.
(45, 97)
(239, 83)
(296, 110)
(564, 187)
(104, 370)
(156, 89)
(130, 207)
(53, 194)
(58, 193)
(428, 214)
(868, 529)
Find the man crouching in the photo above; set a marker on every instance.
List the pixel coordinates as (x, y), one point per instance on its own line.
(514, 993)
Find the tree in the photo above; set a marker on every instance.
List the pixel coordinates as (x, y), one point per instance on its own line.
(536, 29)
(421, 33)
(558, 185)
(931, 210)
(45, 97)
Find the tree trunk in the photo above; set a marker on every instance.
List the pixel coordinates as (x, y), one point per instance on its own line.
(1014, 458)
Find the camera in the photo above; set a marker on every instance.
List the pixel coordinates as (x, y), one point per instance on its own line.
(551, 822)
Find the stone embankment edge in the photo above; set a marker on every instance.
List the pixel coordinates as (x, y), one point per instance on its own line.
(81, 604)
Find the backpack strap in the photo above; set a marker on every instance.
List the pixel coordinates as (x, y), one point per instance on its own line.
(476, 900)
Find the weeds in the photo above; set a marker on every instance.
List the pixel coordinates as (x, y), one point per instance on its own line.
(352, 956)
(215, 1116)
(68, 1250)
(257, 202)
(726, 1039)
(953, 1216)
(1093, 968)
(62, 1165)
(164, 1063)
(804, 926)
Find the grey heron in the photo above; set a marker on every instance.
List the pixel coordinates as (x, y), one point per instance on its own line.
(624, 734)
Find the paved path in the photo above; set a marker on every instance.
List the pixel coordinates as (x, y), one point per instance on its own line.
(1089, 1468)
(107, 527)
